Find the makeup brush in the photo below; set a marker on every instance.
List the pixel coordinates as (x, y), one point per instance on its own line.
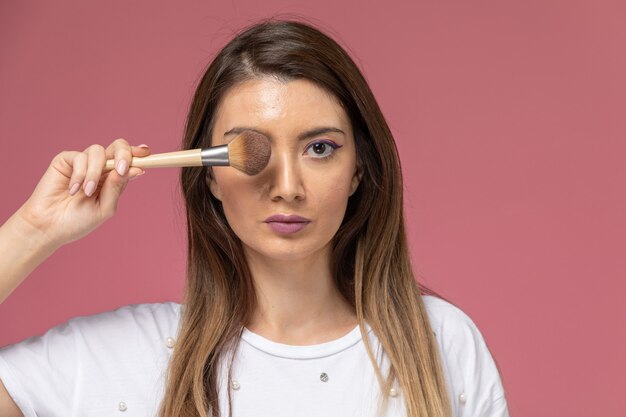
(249, 152)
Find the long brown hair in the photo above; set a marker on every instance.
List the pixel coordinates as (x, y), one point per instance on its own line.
(371, 263)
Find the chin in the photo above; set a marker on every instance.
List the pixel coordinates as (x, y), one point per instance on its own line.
(287, 251)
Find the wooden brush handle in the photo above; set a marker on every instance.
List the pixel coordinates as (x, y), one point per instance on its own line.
(189, 158)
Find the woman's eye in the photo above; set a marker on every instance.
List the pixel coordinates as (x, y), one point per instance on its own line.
(321, 149)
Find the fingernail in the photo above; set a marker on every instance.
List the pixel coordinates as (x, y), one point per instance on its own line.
(90, 188)
(121, 167)
(143, 145)
(74, 188)
(138, 175)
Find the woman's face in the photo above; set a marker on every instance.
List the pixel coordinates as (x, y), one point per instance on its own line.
(293, 208)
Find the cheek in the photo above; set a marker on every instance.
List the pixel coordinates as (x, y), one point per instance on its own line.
(239, 196)
(330, 194)
(234, 184)
(237, 211)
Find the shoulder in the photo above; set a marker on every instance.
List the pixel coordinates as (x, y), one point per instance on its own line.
(127, 328)
(117, 354)
(454, 329)
(157, 316)
(470, 367)
(116, 330)
(448, 320)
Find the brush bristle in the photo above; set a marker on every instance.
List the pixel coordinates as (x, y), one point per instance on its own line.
(249, 152)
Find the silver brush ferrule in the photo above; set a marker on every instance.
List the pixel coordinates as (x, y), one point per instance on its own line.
(216, 155)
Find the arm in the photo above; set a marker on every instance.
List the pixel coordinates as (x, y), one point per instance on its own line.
(23, 248)
(8, 408)
(73, 198)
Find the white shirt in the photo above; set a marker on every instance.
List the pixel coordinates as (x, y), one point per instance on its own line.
(115, 363)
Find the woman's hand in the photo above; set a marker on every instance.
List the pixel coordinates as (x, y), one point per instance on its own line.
(75, 196)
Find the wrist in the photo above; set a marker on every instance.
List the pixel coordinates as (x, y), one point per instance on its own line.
(26, 228)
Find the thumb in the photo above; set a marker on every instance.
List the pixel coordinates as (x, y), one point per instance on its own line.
(113, 187)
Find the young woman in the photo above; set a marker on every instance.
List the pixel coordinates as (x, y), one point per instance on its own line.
(300, 298)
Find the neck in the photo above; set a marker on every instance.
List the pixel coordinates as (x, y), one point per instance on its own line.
(297, 301)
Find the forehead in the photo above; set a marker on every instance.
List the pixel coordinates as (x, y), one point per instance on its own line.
(281, 106)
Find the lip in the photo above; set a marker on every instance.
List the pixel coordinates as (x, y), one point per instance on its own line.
(287, 218)
(287, 223)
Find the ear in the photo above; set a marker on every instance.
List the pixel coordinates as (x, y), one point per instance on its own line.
(356, 179)
(212, 184)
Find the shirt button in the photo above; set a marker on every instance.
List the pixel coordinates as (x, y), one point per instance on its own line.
(169, 342)
(393, 392)
(235, 385)
(462, 398)
(122, 406)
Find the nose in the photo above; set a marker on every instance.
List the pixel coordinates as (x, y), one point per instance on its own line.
(285, 177)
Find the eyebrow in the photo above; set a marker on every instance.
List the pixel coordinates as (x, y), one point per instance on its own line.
(302, 136)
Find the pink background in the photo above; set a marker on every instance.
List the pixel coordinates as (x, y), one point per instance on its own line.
(509, 116)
